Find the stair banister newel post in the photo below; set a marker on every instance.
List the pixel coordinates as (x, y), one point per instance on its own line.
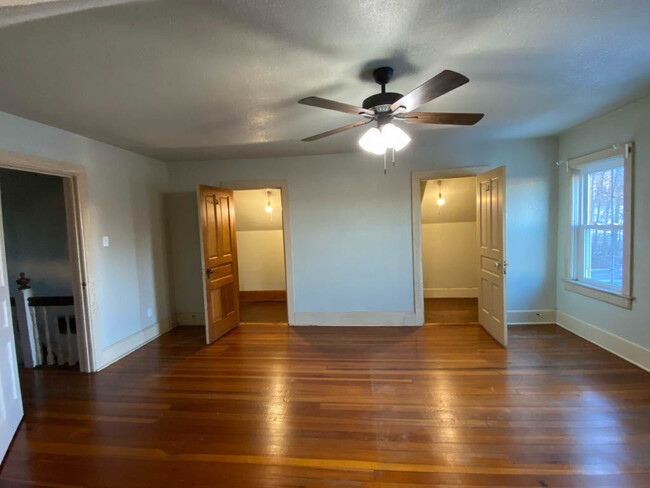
(29, 340)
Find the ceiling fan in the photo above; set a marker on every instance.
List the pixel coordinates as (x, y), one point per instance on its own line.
(386, 107)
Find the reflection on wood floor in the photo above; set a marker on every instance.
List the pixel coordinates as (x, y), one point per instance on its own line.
(450, 310)
(278, 406)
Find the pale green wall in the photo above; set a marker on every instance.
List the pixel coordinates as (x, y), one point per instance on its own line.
(125, 203)
(630, 123)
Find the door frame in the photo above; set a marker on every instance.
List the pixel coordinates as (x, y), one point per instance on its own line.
(416, 178)
(283, 186)
(75, 191)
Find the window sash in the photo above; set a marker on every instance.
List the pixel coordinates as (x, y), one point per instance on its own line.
(579, 200)
(584, 255)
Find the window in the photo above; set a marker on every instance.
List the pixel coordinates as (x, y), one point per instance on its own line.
(601, 226)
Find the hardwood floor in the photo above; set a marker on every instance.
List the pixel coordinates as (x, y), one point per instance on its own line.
(274, 406)
(274, 312)
(450, 310)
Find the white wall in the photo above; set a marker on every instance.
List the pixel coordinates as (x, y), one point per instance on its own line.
(125, 203)
(36, 240)
(450, 260)
(261, 260)
(185, 253)
(631, 123)
(351, 224)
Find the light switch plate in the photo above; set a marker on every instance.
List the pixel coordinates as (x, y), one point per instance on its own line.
(105, 241)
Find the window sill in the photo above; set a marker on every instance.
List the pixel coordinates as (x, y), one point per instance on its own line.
(607, 296)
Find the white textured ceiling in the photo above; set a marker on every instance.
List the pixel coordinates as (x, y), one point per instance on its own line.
(220, 78)
(250, 205)
(460, 201)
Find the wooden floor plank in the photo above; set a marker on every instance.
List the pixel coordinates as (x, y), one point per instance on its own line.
(269, 405)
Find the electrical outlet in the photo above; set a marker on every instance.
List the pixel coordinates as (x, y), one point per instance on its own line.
(149, 313)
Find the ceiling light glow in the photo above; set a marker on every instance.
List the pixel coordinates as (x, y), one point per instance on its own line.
(372, 141)
(394, 137)
(376, 140)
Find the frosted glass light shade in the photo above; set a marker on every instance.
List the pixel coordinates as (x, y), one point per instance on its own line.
(394, 137)
(373, 141)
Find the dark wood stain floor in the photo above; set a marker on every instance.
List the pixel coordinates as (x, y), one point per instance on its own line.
(451, 310)
(275, 406)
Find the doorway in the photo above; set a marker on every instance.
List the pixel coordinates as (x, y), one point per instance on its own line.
(71, 178)
(490, 262)
(449, 250)
(260, 256)
(39, 270)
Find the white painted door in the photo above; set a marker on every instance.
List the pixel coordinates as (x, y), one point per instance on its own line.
(11, 405)
(491, 211)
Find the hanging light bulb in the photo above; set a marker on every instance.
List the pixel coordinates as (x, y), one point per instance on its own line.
(372, 141)
(394, 137)
(441, 201)
(268, 208)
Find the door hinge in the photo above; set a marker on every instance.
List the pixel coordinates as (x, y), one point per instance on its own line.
(505, 266)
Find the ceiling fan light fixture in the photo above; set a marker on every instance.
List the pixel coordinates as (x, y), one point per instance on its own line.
(373, 141)
(394, 137)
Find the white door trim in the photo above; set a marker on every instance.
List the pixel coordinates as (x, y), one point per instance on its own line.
(416, 225)
(75, 189)
(283, 186)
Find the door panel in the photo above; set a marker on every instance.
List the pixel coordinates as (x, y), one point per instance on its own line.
(11, 405)
(219, 252)
(490, 201)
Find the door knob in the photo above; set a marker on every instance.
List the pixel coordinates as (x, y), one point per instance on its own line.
(209, 271)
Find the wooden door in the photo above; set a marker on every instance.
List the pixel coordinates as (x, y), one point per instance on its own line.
(490, 201)
(219, 251)
(11, 404)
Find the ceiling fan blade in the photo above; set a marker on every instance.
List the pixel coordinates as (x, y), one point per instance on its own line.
(335, 131)
(332, 105)
(440, 84)
(439, 118)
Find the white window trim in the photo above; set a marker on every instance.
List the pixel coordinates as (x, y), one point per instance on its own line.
(623, 298)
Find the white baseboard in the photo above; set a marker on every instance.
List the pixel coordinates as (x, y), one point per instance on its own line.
(623, 348)
(189, 318)
(354, 318)
(450, 292)
(117, 351)
(518, 317)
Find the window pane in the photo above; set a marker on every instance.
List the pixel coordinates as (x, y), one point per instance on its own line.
(606, 196)
(604, 256)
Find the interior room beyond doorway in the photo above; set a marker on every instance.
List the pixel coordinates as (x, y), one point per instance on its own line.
(449, 250)
(260, 248)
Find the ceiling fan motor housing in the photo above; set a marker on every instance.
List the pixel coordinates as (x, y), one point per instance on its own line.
(381, 102)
